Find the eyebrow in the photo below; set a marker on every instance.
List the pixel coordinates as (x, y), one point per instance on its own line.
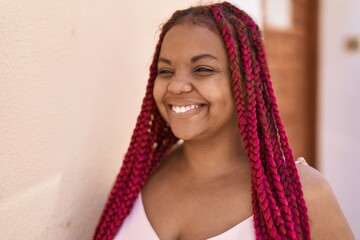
(201, 56)
(193, 59)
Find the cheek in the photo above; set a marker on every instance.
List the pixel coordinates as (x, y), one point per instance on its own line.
(223, 101)
(156, 93)
(159, 93)
(221, 93)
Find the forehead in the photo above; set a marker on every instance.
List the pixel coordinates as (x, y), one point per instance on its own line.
(187, 39)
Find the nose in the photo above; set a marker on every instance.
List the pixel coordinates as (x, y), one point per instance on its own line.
(179, 84)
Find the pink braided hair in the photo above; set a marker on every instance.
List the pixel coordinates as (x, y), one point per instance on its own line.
(295, 190)
(278, 203)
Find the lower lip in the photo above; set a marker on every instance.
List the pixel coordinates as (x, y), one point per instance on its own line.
(188, 113)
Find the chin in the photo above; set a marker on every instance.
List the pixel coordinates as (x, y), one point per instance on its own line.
(186, 135)
(183, 136)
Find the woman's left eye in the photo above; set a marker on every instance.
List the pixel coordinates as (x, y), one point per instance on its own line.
(204, 69)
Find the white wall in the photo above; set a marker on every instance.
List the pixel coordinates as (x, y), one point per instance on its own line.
(339, 100)
(72, 77)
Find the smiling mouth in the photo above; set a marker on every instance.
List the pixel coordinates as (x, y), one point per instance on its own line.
(186, 108)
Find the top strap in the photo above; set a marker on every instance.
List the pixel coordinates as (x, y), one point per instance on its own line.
(301, 160)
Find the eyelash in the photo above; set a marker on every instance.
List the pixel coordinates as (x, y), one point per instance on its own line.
(196, 70)
(204, 69)
(164, 71)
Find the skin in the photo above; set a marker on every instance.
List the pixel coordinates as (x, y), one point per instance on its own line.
(203, 187)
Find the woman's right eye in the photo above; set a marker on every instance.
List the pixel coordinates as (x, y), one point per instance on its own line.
(165, 72)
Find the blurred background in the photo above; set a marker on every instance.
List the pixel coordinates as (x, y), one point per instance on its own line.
(73, 74)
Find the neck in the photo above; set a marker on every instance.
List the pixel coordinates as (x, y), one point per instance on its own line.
(214, 157)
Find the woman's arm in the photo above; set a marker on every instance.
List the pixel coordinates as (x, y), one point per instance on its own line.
(327, 220)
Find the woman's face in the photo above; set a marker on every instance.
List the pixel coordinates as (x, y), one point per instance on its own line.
(193, 87)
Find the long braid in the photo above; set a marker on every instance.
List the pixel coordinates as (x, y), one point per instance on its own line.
(267, 202)
(272, 147)
(296, 185)
(297, 204)
(278, 204)
(274, 176)
(283, 169)
(304, 220)
(269, 162)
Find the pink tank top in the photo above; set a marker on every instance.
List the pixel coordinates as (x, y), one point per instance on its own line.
(137, 227)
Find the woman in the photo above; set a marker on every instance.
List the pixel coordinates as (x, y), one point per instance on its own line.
(232, 175)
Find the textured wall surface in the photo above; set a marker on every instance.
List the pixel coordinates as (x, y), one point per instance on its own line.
(72, 77)
(62, 67)
(339, 99)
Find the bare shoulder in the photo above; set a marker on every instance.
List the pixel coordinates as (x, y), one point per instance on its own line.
(327, 220)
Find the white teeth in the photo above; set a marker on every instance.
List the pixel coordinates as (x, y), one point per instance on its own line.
(184, 109)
